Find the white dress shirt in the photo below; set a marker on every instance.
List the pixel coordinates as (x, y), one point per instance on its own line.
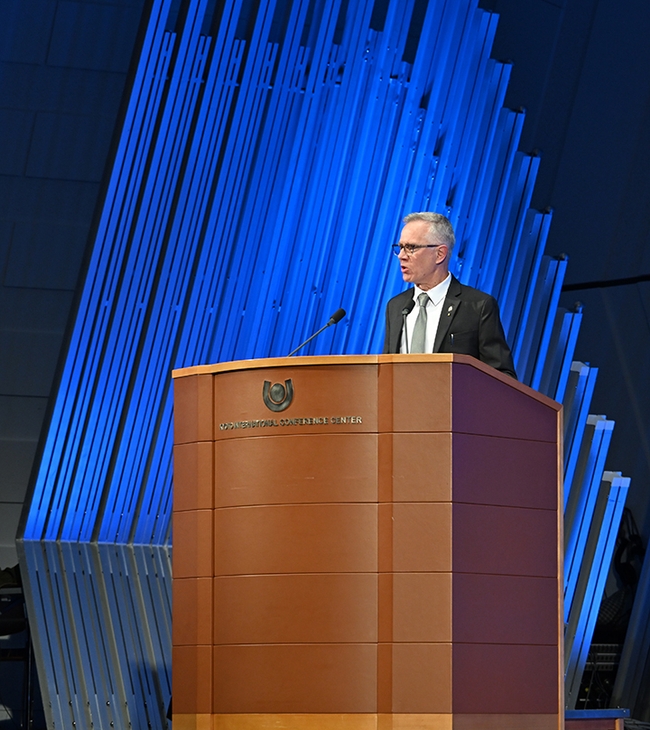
(434, 308)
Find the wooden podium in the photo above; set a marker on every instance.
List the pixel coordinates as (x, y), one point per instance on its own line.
(365, 543)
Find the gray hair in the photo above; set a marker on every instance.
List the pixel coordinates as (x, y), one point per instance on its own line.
(440, 228)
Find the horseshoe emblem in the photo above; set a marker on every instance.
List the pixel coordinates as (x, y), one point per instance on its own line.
(277, 397)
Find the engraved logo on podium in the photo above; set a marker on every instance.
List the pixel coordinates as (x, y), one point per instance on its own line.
(277, 397)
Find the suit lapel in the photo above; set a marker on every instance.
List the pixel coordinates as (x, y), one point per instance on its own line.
(449, 309)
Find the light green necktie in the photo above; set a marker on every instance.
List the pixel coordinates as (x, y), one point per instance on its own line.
(420, 330)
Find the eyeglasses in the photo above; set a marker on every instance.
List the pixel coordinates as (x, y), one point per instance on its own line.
(410, 248)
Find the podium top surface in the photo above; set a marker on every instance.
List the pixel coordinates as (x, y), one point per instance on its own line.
(337, 360)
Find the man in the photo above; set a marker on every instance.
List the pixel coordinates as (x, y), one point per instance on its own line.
(447, 316)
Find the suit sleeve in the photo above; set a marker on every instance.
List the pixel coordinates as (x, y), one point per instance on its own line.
(493, 348)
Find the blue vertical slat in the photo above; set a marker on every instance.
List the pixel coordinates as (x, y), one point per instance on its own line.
(576, 402)
(258, 185)
(611, 501)
(582, 499)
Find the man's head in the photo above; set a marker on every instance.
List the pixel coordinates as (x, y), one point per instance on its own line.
(425, 246)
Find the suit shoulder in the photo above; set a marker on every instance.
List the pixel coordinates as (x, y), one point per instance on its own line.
(400, 298)
(475, 295)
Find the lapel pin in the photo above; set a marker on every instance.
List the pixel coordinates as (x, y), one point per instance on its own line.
(449, 310)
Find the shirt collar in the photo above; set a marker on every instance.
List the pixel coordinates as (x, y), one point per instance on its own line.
(437, 294)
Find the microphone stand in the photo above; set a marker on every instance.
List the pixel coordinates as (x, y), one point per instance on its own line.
(336, 317)
(405, 313)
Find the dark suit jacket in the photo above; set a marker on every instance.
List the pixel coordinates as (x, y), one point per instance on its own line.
(469, 325)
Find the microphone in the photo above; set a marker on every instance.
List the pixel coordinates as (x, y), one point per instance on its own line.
(405, 313)
(336, 317)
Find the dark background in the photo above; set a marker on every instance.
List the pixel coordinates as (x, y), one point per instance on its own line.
(581, 69)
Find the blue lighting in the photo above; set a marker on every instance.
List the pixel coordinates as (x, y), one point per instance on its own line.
(258, 183)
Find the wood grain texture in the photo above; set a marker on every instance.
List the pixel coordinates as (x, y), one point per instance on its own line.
(192, 611)
(192, 679)
(193, 416)
(286, 609)
(193, 476)
(298, 538)
(504, 679)
(319, 393)
(300, 468)
(330, 721)
(322, 678)
(504, 609)
(193, 546)
(610, 723)
(422, 467)
(504, 410)
(187, 721)
(504, 540)
(524, 721)
(338, 721)
(504, 471)
(373, 573)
